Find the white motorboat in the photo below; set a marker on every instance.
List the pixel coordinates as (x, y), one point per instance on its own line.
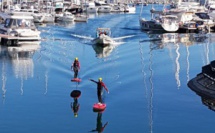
(19, 26)
(149, 25)
(81, 18)
(91, 8)
(170, 23)
(104, 9)
(205, 17)
(67, 17)
(130, 9)
(38, 17)
(118, 8)
(103, 37)
(48, 18)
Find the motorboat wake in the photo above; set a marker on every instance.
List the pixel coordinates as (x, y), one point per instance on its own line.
(103, 38)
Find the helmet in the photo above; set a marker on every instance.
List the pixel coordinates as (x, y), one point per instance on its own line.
(75, 115)
(100, 79)
(76, 58)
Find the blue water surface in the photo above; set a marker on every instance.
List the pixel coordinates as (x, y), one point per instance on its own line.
(147, 81)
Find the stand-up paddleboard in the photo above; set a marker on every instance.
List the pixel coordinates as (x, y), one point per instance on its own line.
(99, 107)
(76, 80)
(75, 94)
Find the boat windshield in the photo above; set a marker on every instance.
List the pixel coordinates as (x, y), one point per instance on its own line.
(103, 31)
(203, 15)
(19, 23)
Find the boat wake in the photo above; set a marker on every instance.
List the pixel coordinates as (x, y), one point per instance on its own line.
(82, 37)
(117, 41)
(123, 37)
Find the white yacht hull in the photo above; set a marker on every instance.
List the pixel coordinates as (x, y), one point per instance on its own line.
(81, 18)
(104, 9)
(92, 10)
(38, 18)
(171, 27)
(25, 29)
(130, 9)
(48, 18)
(149, 25)
(66, 19)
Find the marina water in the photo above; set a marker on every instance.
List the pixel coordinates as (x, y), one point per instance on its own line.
(147, 81)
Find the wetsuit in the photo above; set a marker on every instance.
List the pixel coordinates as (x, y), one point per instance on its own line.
(76, 67)
(100, 85)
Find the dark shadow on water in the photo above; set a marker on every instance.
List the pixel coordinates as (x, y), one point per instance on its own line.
(209, 102)
(204, 86)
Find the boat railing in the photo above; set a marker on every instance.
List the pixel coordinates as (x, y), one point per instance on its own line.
(209, 76)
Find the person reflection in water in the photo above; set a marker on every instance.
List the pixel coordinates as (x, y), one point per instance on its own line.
(75, 107)
(75, 67)
(99, 127)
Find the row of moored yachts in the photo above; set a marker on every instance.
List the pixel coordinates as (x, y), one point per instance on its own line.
(184, 17)
(18, 24)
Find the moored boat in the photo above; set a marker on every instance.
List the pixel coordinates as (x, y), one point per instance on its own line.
(18, 27)
(81, 18)
(67, 17)
(204, 82)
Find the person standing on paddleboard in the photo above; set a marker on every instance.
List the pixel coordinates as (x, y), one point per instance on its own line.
(100, 85)
(75, 67)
